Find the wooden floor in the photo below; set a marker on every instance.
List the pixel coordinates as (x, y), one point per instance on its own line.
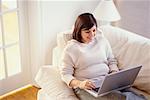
(26, 93)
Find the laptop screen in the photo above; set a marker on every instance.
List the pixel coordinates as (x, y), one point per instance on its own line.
(122, 79)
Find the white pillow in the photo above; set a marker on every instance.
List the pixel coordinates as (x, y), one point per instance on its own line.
(63, 37)
(48, 78)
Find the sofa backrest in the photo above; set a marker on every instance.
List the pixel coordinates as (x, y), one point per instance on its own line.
(129, 49)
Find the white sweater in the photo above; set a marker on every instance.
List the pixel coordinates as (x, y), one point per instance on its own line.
(87, 61)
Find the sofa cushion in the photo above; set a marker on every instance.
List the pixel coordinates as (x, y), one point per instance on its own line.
(130, 50)
(48, 78)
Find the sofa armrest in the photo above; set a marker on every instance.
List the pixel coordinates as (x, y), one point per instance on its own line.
(41, 73)
(49, 79)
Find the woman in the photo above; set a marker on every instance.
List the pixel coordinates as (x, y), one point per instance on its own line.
(88, 57)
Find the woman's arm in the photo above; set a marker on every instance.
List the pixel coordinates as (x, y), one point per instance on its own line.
(67, 67)
(67, 71)
(112, 61)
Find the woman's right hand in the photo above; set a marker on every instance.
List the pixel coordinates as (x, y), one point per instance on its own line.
(86, 84)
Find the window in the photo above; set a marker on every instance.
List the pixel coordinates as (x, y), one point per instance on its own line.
(14, 45)
(9, 39)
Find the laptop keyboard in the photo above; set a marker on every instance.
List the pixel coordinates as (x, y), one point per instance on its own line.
(96, 89)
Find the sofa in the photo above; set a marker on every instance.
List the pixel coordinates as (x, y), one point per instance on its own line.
(129, 48)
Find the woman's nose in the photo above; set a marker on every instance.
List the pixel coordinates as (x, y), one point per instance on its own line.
(91, 33)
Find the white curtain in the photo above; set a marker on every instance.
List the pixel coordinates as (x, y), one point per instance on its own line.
(35, 37)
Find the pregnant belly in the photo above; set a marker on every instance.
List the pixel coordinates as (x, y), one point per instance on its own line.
(92, 71)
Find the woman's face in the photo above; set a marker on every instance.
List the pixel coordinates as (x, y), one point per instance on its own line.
(87, 35)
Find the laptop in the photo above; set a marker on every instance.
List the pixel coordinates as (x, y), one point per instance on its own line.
(116, 81)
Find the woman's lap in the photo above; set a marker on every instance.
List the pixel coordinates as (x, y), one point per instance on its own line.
(83, 95)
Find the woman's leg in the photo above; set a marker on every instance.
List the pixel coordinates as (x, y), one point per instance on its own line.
(131, 94)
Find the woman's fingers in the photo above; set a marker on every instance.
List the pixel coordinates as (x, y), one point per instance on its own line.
(86, 85)
(90, 85)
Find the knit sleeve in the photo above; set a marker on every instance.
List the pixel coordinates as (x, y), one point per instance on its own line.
(67, 67)
(112, 61)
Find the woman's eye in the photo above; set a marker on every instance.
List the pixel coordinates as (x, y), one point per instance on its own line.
(87, 32)
(93, 30)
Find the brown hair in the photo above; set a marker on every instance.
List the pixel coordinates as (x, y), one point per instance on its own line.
(83, 21)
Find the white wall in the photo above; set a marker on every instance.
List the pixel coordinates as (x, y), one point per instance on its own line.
(58, 16)
(135, 16)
